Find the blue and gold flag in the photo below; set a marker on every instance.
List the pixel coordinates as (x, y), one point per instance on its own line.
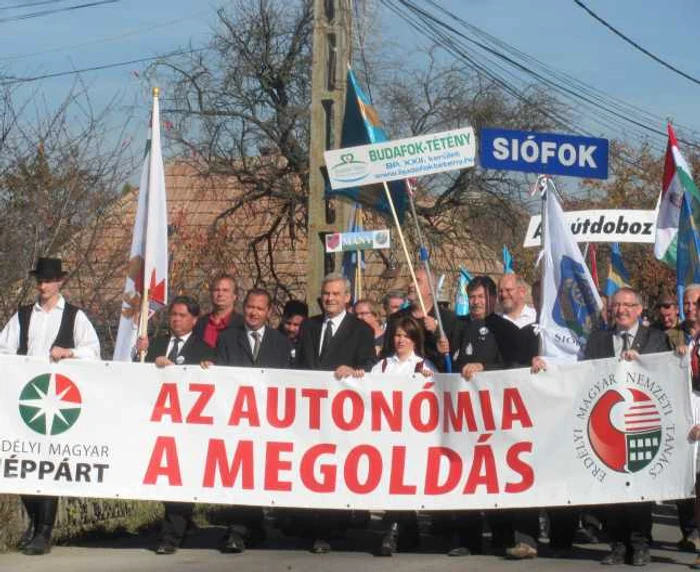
(617, 273)
(361, 126)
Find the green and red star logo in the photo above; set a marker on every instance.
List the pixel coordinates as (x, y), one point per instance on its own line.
(50, 404)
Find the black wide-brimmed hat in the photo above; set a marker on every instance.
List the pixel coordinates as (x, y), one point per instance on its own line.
(48, 269)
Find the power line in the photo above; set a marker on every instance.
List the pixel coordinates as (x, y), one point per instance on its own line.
(31, 4)
(41, 13)
(105, 39)
(18, 80)
(608, 112)
(634, 44)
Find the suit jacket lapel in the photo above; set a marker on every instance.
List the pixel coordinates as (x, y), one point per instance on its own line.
(610, 344)
(640, 339)
(342, 332)
(244, 345)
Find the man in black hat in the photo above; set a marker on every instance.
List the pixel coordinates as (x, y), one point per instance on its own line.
(49, 327)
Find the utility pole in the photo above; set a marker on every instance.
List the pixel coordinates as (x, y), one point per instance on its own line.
(331, 56)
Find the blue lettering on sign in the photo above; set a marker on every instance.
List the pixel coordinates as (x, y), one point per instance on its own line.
(551, 153)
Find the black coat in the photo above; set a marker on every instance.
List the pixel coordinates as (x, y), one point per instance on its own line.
(351, 345)
(194, 350)
(647, 341)
(449, 322)
(233, 348)
(494, 342)
(236, 321)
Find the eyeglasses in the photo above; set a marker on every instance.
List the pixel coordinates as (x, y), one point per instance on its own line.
(626, 305)
(666, 305)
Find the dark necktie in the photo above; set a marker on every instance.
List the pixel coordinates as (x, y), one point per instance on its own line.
(172, 356)
(625, 341)
(327, 336)
(256, 344)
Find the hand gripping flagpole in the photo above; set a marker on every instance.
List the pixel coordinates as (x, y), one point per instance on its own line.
(425, 259)
(405, 248)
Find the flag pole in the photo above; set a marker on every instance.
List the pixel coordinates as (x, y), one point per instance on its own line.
(425, 259)
(405, 248)
(541, 180)
(358, 254)
(144, 311)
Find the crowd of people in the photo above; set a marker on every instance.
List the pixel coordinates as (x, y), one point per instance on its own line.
(349, 339)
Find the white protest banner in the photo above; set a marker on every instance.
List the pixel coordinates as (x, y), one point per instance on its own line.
(401, 158)
(601, 226)
(362, 240)
(299, 438)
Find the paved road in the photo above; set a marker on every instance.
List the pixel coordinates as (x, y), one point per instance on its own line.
(279, 554)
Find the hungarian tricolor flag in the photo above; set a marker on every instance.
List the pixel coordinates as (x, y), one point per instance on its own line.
(147, 274)
(676, 181)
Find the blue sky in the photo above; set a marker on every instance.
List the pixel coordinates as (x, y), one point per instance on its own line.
(557, 32)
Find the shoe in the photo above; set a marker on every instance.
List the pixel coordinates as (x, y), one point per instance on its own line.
(695, 565)
(166, 548)
(688, 545)
(320, 546)
(641, 557)
(587, 535)
(27, 537)
(390, 540)
(521, 551)
(40, 544)
(459, 551)
(616, 556)
(234, 543)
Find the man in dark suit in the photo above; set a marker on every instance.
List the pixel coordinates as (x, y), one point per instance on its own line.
(628, 524)
(337, 340)
(254, 344)
(179, 347)
(223, 315)
(340, 342)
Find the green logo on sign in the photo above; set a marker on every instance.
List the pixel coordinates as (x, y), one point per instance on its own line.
(50, 404)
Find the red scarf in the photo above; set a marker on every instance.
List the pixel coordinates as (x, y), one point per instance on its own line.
(214, 327)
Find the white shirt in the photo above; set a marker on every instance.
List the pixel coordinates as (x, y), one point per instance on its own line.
(183, 341)
(404, 367)
(618, 342)
(527, 316)
(43, 329)
(251, 339)
(336, 324)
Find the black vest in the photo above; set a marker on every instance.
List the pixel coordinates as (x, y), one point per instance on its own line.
(64, 339)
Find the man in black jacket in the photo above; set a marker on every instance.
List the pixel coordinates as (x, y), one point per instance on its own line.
(335, 341)
(255, 344)
(628, 524)
(223, 315)
(179, 347)
(486, 342)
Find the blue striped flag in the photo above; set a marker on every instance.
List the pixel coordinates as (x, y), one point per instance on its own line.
(361, 126)
(617, 273)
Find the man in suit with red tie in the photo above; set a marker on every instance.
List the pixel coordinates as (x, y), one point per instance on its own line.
(628, 524)
(335, 341)
(179, 347)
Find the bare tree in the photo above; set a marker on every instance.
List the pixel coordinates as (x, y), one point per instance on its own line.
(59, 169)
(240, 109)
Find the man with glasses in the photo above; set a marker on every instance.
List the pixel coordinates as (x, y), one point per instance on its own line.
(628, 524)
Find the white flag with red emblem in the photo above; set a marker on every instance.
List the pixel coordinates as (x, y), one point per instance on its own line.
(148, 261)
